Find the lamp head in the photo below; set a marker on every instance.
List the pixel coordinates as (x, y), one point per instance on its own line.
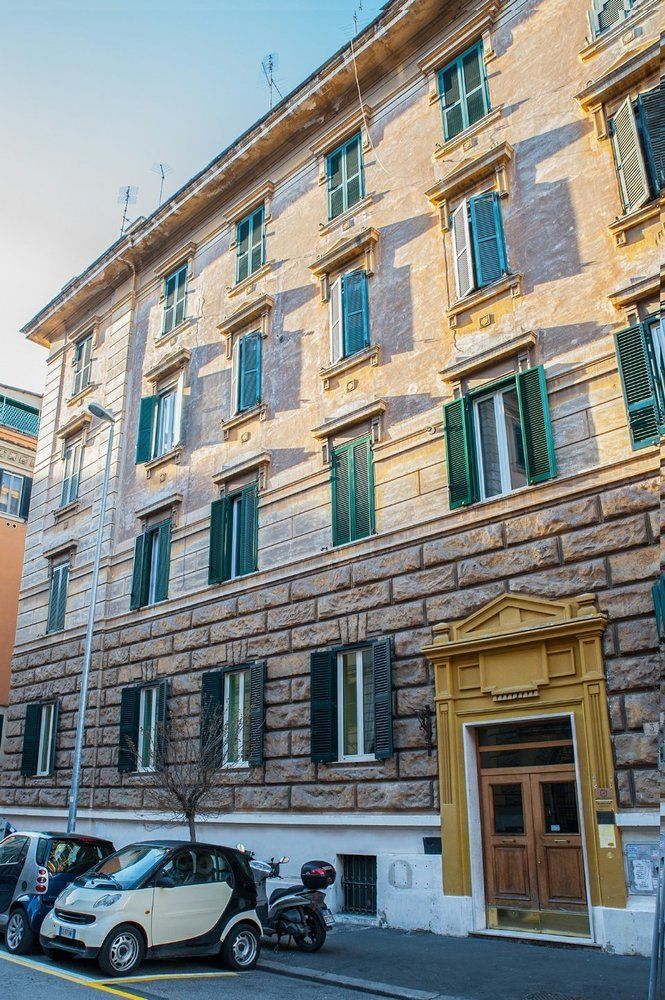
(100, 411)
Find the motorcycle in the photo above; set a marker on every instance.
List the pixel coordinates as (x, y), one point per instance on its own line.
(297, 911)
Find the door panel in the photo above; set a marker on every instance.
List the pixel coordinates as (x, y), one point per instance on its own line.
(510, 863)
(558, 841)
(187, 912)
(12, 860)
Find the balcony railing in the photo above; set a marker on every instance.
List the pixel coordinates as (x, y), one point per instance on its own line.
(20, 418)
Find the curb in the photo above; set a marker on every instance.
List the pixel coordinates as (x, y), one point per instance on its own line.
(366, 986)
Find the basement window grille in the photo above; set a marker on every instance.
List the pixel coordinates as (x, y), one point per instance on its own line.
(359, 883)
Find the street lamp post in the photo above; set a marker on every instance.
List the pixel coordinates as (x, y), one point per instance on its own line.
(107, 416)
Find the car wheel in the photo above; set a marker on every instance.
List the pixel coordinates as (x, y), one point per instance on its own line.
(19, 937)
(241, 947)
(122, 952)
(315, 936)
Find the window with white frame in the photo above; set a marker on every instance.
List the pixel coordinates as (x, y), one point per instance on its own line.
(73, 461)
(499, 443)
(355, 704)
(146, 756)
(58, 596)
(11, 492)
(160, 421)
(175, 299)
(165, 421)
(479, 249)
(46, 739)
(82, 364)
(349, 314)
(236, 718)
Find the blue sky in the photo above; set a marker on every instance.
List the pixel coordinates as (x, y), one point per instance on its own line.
(95, 93)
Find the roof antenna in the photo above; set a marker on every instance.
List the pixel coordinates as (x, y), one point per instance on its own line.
(126, 196)
(269, 64)
(162, 169)
(357, 10)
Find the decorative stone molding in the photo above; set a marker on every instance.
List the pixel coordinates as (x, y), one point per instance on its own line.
(629, 297)
(82, 330)
(259, 309)
(169, 504)
(248, 203)
(368, 354)
(80, 396)
(184, 254)
(469, 137)
(510, 283)
(460, 37)
(61, 550)
(259, 462)
(168, 366)
(467, 175)
(357, 121)
(345, 220)
(61, 513)
(77, 424)
(248, 284)
(371, 412)
(622, 226)
(259, 411)
(171, 338)
(341, 253)
(517, 347)
(173, 455)
(618, 81)
(624, 31)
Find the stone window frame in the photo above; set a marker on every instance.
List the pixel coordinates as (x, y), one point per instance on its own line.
(371, 413)
(76, 428)
(254, 316)
(171, 371)
(261, 195)
(357, 121)
(184, 255)
(632, 298)
(88, 329)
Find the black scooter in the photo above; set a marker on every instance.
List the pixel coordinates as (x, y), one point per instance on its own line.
(297, 911)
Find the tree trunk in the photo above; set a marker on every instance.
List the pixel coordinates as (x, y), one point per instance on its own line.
(191, 820)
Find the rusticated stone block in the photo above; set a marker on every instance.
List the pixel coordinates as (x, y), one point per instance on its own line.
(412, 699)
(641, 707)
(395, 795)
(508, 562)
(604, 538)
(293, 770)
(426, 583)
(627, 602)
(316, 635)
(386, 565)
(417, 764)
(135, 633)
(465, 543)
(635, 750)
(321, 797)
(116, 657)
(216, 612)
(300, 742)
(278, 692)
(648, 787)
(635, 636)
(265, 597)
(287, 716)
(125, 798)
(407, 734)
(251, 799)
(300, 687)
(630, 498)
(639, 564)
(407, 673)
(617, 720)
(171, 624)
(411, 642)
(552, 520)
(380, 770)
(191, 638)
(151, 648)
(459, 604)
(337, 578)
(169, 666)
(395, 617)
(268, 645)
(631, 672)
(238, 628)
(277, 744)
(292, 614)
(358, 599)
(211, 656)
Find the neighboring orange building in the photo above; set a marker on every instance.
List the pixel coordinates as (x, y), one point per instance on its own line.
(19, 423)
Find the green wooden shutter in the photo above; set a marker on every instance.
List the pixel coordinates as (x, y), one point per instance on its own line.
(383, 713)
(355, 312)
(658, 592)
(536, 424)
(652, 118)
(146, 426)
(162, 534)
(463, 92)
(129, 729)
(54, 740)
(362, 487)
(629, 158)
(219, 557)
(638, 388)
(489, 251)
(31, 729)
(323, 678)
(247, 530)
(180, 295)
(162, 722)
(335, 176)
(249, 359)
(460, 453)
(474, 85)
(138, 595)
(606, 13)
(257, 673)
(168, 321)
(58, 597)
(212, 701)
(242, 251)
(26, 493)
(353, 170)
(341, 496)
(257, 240)
(450, 93)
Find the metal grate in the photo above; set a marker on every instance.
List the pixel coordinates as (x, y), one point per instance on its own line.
(21, 418)
(359, 883)
(546, 995)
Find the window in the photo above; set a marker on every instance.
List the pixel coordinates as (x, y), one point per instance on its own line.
(14, 493)
(349, 315)
(160, 422)
(352, 482)
(152, 564)
(72, 476)
(344, 171)
(359, 883)
(641, 354)
(638, 140)
(236, 698)
(142, 723)
(351, 709)
(606, 13)
(13, 850)
(250, 240)
(39, 737)
(463, 92)
(58, 596)
(175, 299)
(499, 438)
(234, 534)
(82, 364)
(479, 248)
(246, 372)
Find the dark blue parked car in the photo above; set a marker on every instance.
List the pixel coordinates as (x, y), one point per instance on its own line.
(34, 869)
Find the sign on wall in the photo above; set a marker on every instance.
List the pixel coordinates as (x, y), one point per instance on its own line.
(642, 868)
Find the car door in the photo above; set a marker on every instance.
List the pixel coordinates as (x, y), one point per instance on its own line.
(191, 906)
(13, 852)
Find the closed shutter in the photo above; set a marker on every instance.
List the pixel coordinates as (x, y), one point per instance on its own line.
(464, 281)
(180, 295)
(31, 729)
(629, 159)
(129, 729)
(242, 251)
(536, 424)
(162, 722)
(474, 85)
(26, 493)
(139, 583)
(257, 673)
(212, 702)
(341, 496)
(460, 456)
(354, 172)
(162, 536)
(323, 681)
(463, 92)
(638, 387)
(247, 530)
(54, 736)
(335, 174)
(146, 426)
(218, 561)
(362, 482)
(355, 312)
(250, 370)
(658, 592)
(450, 91)
(652, 117)
(489, 252)
(606, 13)
(383, 713)
(257, 241)
(58, 597)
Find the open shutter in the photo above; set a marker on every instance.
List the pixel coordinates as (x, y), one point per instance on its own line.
(606, 13)
(129, 729)
(212, 701)
(354, 171)
(450, 93)
(341, 497)
(218, 561)
(464, 282)
(163, 538)
(652, 115)
(323, 707)
(334, 171)
(536, 424)
(460, 459)
(355, 312)
(336, 336)
(383, 710)
(257, 673)
(146, 425)
(168, 321)
(180, 295)
(247, 530)
(362, 485)
(658, 592)
(161, 719)
(638, 387)
(235, 376)
(257, 232)
(489, 252)
(138, 597)
(633, 178)
(250, 370)
(242, 252)
(474, 85)
(25, 497)
(54, 736)
(178, 406)
(33, 722)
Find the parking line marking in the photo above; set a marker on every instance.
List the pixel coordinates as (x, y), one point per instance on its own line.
(168, 975)
(59, 974)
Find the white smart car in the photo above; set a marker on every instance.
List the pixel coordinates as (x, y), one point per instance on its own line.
(161, 899)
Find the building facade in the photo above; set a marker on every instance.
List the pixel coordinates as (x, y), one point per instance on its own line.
(388, 386)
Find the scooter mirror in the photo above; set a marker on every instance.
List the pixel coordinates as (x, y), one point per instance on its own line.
(240, 847)
(283, 860)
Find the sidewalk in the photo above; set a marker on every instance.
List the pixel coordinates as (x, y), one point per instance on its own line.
(420, 966)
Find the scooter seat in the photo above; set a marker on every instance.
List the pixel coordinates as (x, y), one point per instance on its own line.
(286, 890)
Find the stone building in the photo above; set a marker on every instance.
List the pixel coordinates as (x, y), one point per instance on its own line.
(388, 384)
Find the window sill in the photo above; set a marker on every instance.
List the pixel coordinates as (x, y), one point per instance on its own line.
(80, 396)
(60, 513)
(360, 759)
(511, 283)
(172, 335)
(467, 139)
(339, 220)
(608, 38)
(250, 281)
(174, 455)
(260, 411)
(623, 225)
(368, 354)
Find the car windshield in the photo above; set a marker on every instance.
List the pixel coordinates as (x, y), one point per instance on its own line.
(72, 857)
(126, 868)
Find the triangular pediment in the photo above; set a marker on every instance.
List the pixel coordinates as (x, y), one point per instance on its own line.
(511, 613)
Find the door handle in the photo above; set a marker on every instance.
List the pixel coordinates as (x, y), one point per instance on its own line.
(513, 841)
(560, 840)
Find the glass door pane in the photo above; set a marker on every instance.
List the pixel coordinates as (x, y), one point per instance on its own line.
(514, 441)
(489, 447)
(560, 807)
(508, 809)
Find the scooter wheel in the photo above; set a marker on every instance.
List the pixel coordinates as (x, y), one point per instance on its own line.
(316, 932)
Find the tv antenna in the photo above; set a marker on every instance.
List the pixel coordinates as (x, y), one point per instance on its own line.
(270, 64)
(127, 196)
(162, 169)
(356, 11)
